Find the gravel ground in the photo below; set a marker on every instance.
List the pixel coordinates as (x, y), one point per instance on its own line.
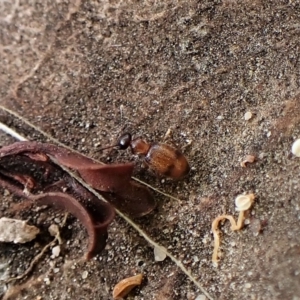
(85, 71)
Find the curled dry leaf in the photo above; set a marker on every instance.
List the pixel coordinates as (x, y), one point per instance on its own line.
(27, 170)
(248, 160)
(122, 288)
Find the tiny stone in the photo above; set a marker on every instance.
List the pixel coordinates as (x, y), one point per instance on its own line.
(84, 274)
(201, 297)
(247, 222)
(248, 285)
(53, 230)
(255, 226)
(296, 148)
(17, 231)
(57, 220)
(55, 270)
(159, 253)
(47, 280)
(248, 115)
(204, 240)
(56, 251)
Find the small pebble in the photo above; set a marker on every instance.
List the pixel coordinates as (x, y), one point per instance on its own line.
(55, 251)
(256, 226)
(55, 270)
(196, 258)
(201, 297)
(6, 192)
(53, 230)
(248, 115)
(17, 231)
(296, 148)
(247, 222)
(248, 285)
(47, 280)
(84, 274)
(159, 253)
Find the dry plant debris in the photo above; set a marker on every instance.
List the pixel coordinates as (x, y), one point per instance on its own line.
(16, 231)
(249, 159)
(123, 288)
(34, 171)
(242, 203)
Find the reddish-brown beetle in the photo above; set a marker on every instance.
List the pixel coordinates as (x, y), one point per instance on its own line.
(163, 159)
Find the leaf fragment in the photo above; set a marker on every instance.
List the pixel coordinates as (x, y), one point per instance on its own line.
(123, 288)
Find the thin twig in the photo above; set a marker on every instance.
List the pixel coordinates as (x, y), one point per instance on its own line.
(11, 132)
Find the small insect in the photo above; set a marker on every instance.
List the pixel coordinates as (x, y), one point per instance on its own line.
(163, 159)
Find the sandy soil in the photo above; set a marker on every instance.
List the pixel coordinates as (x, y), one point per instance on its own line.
(85, 71)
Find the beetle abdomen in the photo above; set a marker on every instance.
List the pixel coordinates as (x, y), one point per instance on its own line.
(167, 161)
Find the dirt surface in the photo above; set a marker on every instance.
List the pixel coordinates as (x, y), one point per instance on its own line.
(85, 71)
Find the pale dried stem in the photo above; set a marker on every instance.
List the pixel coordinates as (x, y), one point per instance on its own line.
(215, 229)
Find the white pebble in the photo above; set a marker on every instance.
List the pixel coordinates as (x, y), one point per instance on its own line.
(248, 285)
(55, 251)
(53, 230)
(84, 274)
(248, 115)
(17, 231)
(201, 297)
(296, 148)
(160, 253)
